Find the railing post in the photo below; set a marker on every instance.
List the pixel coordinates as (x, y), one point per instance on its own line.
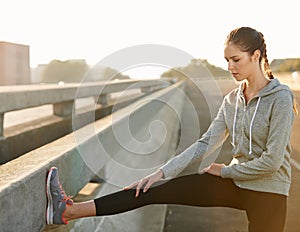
(63, 109)
(103, 99)
(1, 124)
(147, 89)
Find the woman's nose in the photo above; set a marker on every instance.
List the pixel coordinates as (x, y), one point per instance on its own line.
(230, 66)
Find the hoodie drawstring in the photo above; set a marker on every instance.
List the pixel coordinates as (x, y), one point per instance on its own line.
(235, 116)
(251, 123)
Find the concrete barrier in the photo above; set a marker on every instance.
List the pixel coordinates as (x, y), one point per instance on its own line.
(81, 154)
(22, 138)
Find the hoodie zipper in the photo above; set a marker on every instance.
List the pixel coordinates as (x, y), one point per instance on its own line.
(245, 106)
(244, 102)
(243, 110)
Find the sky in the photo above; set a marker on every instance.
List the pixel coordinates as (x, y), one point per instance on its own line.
(95, 29)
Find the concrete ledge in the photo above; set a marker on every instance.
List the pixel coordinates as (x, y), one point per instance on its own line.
(25, 137)
(22, 181)
(12, 97)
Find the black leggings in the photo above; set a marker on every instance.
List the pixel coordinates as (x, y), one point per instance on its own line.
(265, 211)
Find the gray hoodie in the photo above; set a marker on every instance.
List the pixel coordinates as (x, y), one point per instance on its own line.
(260, 135)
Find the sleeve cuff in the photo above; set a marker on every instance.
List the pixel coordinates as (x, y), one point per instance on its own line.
(167, 171)
(225, 172)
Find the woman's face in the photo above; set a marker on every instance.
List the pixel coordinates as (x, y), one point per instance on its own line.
(240, 63)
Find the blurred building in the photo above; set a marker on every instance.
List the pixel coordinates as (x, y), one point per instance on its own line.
(14, 64)
(285, 65)
(37, 73)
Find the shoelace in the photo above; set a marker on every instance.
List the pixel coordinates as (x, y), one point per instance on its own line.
(66, 198)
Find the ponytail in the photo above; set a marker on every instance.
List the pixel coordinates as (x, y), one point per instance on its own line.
(295, 107)
(264, 57)
(269, 73)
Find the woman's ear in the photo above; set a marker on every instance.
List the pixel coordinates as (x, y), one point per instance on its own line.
(256, 55)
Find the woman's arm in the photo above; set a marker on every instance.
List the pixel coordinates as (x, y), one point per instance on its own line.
(208, 143)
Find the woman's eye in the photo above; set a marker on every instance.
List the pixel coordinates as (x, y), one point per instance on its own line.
(237, 60)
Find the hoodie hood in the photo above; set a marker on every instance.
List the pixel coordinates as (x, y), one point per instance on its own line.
(272, 87)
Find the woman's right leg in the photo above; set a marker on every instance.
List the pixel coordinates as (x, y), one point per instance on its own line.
(195, 190)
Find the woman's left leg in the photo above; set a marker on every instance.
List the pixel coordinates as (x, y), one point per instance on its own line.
(266, 211)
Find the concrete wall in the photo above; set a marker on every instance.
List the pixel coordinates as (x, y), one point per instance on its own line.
(127, 144)
(24, 137)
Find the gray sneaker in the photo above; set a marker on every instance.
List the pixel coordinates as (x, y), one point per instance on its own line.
(57, 199)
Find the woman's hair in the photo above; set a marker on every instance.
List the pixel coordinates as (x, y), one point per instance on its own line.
(249, 40)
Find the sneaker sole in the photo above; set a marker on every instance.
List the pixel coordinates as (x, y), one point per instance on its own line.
(49, 212)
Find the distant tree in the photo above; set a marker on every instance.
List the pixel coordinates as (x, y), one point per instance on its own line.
(66, 71)
(77, 71)
(103, 73)
(197, 68)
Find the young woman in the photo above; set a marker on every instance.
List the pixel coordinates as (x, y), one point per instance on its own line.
(257, 116)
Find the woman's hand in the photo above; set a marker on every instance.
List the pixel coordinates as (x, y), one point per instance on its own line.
(214, 169)
(146, 182)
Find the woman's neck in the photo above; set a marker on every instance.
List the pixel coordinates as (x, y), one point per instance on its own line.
(254, 84)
